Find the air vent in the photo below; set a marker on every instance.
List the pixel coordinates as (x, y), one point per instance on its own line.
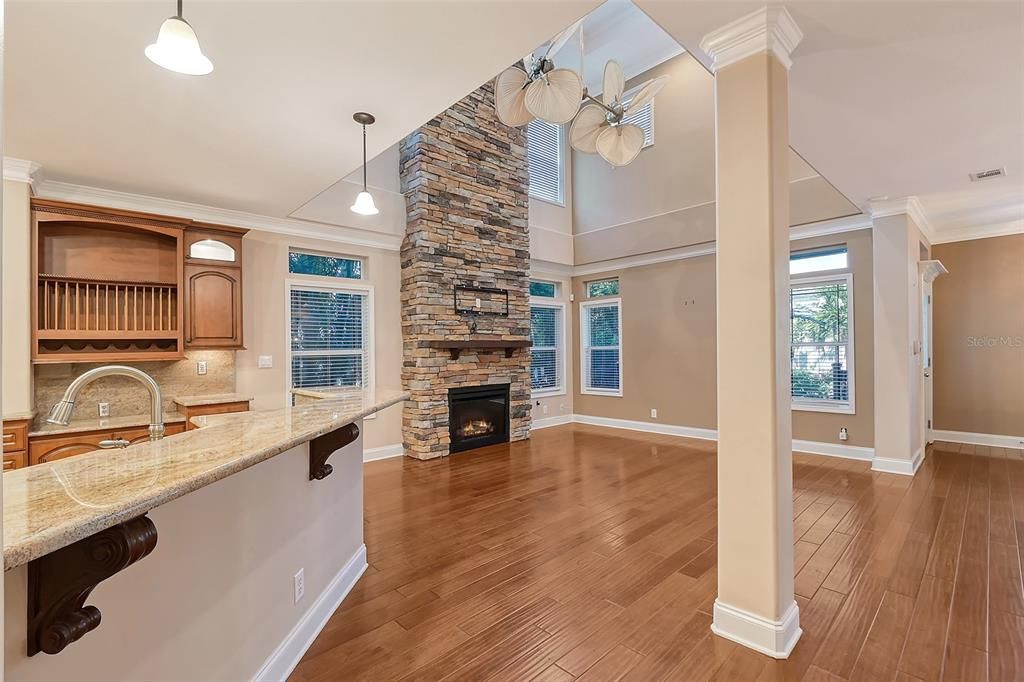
(987, 174)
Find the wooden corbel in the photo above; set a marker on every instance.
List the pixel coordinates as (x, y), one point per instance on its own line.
(60, 582)
(322, 447)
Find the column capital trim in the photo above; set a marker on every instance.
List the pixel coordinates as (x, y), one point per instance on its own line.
(910, 206)
(770, 30)
(20, 170)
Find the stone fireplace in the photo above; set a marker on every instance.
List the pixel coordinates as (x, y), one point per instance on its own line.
(465, 182)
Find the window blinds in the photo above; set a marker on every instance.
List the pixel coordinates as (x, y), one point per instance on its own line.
(602, 366)
(329, 338)
(544, 160)
(643, 117)
(820, 337)
(546, 353)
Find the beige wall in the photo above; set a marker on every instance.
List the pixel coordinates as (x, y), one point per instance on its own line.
(214, 599)
(669, 359)
(266, 271)
(665, 198)
(979, 337)
(551, 224)
(17, 312)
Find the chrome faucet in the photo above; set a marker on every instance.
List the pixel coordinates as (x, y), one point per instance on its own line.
(61, 411)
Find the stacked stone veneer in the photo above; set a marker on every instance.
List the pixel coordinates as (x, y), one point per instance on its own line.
(465, 182)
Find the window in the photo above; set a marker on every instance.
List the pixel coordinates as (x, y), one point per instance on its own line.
(547, 321)
(330, 330)
(601, 347)
(643, 117)
(818, 260)
(302, 263)
(822, 343)
(544, 161)
(603, 287)
(543, 289)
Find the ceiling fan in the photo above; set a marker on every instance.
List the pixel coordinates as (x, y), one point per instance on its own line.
(536, 89)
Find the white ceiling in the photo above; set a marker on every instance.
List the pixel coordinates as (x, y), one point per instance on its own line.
(899, 99)
(271, 127)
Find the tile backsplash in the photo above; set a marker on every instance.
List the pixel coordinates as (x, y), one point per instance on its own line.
(127, 396)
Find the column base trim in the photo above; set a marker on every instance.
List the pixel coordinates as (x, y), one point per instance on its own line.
(892, 465)
(769, 637)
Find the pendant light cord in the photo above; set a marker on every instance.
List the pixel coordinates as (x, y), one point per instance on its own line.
(179, 9)
(364, 153)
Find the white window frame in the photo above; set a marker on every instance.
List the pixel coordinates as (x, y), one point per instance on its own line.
(339, 284)
(560, 201)
(833, 406)
(543, 302)
(327, 254)
(585, 346)
(554, 283)
(601, 297)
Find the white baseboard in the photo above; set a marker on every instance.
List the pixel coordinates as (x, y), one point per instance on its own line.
(557, 420)
(893, 465)
(649, 427)
(282, 662)
(834, 449)
(383, 452)
(989, 439)
(775, 638)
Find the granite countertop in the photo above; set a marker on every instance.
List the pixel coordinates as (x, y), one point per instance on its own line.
(51, 505)
(216, 399)
(95, 424)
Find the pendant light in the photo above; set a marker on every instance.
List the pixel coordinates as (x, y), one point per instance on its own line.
(177, 48)
(364, 202)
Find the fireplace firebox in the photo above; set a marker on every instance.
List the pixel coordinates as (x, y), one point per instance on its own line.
(478, 416)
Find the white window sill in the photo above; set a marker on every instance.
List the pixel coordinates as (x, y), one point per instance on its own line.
(605, 392)
(548, 393)
(837, 408)
(553, 202)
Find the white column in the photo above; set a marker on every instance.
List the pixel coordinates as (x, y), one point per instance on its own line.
(896, 239)
(755, 604)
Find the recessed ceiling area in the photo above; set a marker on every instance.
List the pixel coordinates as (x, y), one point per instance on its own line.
(272, 126)
(899, 98)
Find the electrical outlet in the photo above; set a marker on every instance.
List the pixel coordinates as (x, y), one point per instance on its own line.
(104, 409)
(300, 584)
(544, 409)
(561, 406)
(844, 434)
(654, 413)
(265, 361)
(201, 367)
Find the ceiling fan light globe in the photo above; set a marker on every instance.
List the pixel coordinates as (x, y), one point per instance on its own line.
(364, 204)
(555, 98)
(177, 49)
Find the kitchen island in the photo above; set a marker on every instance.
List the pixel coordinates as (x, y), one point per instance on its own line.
(250, 559)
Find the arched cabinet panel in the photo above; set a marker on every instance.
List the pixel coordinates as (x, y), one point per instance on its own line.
(213, 307)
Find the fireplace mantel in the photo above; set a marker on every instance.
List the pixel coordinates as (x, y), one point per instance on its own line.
(456, 347)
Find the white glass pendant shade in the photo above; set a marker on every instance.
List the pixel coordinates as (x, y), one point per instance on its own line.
(177, 49)
(364, 204)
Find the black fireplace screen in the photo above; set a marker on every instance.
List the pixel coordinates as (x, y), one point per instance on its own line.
(478, 416)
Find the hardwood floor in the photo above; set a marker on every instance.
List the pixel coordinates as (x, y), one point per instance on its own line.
(589, 553)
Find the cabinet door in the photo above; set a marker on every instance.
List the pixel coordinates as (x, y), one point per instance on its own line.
(51, 449)
(213, 307)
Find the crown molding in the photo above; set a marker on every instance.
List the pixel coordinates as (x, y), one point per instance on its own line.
(20, 170)
(294, 227)
(770, 30)
(963, 234)
(850, 223)
(910, 206)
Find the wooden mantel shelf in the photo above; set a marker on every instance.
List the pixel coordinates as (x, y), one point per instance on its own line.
(456, 347)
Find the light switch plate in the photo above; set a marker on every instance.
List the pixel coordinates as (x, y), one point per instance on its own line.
(265, 361)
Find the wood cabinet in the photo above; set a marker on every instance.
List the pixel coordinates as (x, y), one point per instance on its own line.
(219, 408)
(213, 288)
(51, 448)
(15, 443)
(114, 285)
